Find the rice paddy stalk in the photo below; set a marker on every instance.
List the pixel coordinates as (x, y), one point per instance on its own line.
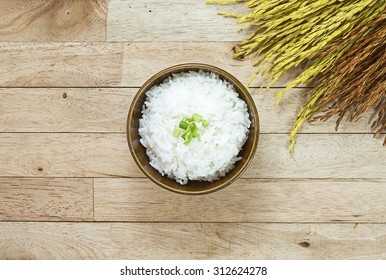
(343, 43)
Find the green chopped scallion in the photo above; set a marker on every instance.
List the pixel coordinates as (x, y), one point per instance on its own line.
(183, 125)
(193, 126)
(188, 129)
(197, 117)
(176, 133)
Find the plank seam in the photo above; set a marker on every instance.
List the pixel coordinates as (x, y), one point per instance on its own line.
(241, 178)
(186, 222)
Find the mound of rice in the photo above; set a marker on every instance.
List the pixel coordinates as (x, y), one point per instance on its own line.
(183, 95)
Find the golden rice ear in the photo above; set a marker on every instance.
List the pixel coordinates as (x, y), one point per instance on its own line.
(326, 34)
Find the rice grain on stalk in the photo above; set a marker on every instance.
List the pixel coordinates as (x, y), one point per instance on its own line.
(342, 43)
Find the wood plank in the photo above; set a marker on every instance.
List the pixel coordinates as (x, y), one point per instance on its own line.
(106, 155)
(247, 200)
(38, 20)
(167, 20)
(60, 64)
(155, 56)
(105, 110)
(112, 64)
(249, 241)
(191, 241)
(65, 155)
(54, 240)
(64, 110)
(46, 199)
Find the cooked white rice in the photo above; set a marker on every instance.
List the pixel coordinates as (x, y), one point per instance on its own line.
(183, 95)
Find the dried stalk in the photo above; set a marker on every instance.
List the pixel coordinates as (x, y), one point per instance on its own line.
(336, 38)
(354, 84)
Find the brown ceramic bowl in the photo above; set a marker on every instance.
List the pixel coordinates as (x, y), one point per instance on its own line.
(193, 187)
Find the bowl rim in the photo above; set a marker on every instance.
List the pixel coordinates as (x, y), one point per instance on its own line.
(195, 67)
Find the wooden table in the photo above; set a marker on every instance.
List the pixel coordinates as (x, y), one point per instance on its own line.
(69, 188)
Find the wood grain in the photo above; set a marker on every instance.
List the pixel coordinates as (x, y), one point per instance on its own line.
(64, 110)
(106, 155)
(105, 110)
(247, 200)
(112, 64)
(46, 199)
(45, 240)
(167, 20)
(155, 56)
(69, 188)
(65, 155)
(191, 241)
(60, 64)
(63, 20)
(249, 241)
